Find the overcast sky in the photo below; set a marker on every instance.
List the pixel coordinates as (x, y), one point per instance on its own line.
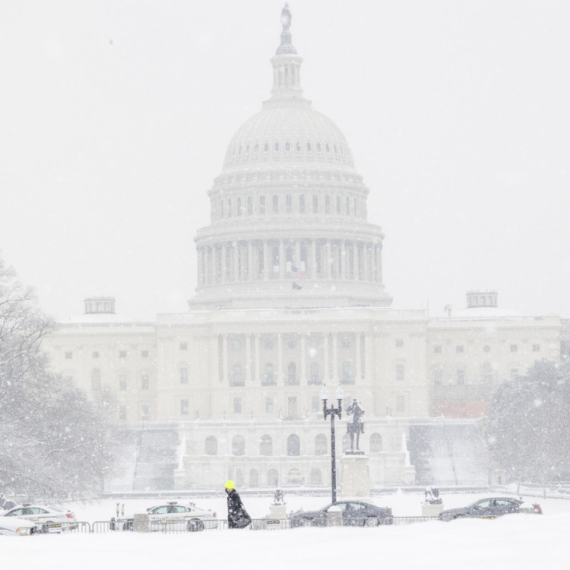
(115, 117)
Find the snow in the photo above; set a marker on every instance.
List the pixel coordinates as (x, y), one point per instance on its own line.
(519, 541)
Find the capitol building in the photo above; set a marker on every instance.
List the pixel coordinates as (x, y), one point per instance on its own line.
(290, 297)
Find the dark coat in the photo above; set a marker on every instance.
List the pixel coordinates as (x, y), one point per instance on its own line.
(237, 515)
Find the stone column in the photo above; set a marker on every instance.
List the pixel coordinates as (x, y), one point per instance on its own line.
(365, 261)
(224, 261)
(249, 273)
(266, 261)
(225, 357)
(297, 260)
(303, 374)
(282, 261)
(343, 261)
(326, 358)
(379, 264)
(235, 268)
(356, 258)
(313, 274)
(358, 340)
(200, 267)
(328, 259)
(247, 359)
(257, 357)
(279, 357)
(335, 357)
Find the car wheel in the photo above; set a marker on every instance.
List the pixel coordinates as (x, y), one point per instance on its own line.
(195, 525)
(372, 521)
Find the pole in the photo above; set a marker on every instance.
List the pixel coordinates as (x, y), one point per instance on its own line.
(333, 461)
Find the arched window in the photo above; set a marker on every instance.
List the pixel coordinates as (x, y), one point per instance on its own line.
(298, 147)
(327, 204)
(347, 377)
(309, 147)
(292, 373)
(249, 206)
(262, 205)
(272, 478)
(315, 204)
(254, 478)
(211, 445)
(301, 204)
(315, 377)
(316, 477)
(375, 443)
(96, 380)
(266, 445)
(268, 376)
(275, 204)
(265, 147)
(348, 206)
(238, 445)
(287, 146)
(229, 208)
(319, 148)
(293, 445)
(288, 204)
(338, 205)
(294, 477)
(239, 210)
(237, 378)
(321, 446)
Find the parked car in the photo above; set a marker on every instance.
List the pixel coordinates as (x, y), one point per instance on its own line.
(172, 516)
(491, 509)
(13, 526)
(45, 519)
(354, 513)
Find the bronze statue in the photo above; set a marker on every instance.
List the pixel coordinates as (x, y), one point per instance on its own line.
(355, 425)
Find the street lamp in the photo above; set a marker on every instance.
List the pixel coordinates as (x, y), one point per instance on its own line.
(332, 412)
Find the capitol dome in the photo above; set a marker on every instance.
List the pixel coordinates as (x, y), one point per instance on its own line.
(288, 210)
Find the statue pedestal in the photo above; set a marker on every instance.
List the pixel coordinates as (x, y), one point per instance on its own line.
(431, 510)
(355, 476)
(278, 512)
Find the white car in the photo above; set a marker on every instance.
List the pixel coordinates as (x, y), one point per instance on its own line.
(13, 526)
(45, 519)
(172, 516)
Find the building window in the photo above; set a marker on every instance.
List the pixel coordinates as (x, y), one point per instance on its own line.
(69, 355)
(487, 348)
(400, 404)
(262, 205)
(184, 407)
(536, 347)
(315, 204)
(347, 377)
(183, 346)
(238, 445)
(437, 376)
(122, 354)
(459, 348)
(95, 355)
(399, 342)
(327, 204)
(96, 380)
(292, 374)
(266, 445)
(301, 204)
(338, 205)
(269, 405)
(239, 208)
(237, 405)
(276, 147)
(123, 413)
(321, 444)
(145, 412)
(437, 349)
(375, 443)
(291, 343)
(144, 353)
(275, 204)
(145, 382)
(288, 204)
(346, 342)
(249, 206)
(123, 382)
(268, 376)
(399, 371)
(292, 407)
(460, 377)
(293, 445)
(514, 347)
(184, 375)
(211, 445)
(237, 377)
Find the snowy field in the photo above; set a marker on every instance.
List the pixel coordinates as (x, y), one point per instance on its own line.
(519, 541)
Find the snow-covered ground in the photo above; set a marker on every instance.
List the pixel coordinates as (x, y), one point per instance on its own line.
(520, 541)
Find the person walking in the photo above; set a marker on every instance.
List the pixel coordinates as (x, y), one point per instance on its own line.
(237, 515)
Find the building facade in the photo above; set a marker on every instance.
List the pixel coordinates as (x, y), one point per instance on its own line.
(290, 297)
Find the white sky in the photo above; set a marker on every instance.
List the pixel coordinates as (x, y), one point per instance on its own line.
(115, 116)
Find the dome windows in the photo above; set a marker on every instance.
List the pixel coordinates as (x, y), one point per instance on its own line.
(319, 147)
(298, 146)
(287, 146)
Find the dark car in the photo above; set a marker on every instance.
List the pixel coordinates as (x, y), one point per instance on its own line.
(354, 513)
(491, 508)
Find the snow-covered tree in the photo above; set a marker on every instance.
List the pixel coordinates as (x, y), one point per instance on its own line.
(528, 427)
(53, 441)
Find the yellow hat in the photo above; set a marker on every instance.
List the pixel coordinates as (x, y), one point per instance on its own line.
(230, 485)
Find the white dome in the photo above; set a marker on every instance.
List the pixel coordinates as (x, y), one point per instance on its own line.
(288, 132)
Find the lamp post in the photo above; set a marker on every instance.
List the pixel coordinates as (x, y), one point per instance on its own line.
(332, 412)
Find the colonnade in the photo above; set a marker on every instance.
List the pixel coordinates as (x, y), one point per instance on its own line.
(264, 260)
